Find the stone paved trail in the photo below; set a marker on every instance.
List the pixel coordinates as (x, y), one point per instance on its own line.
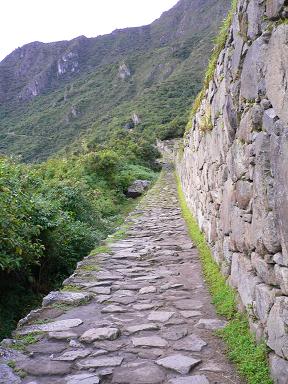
(149, 319)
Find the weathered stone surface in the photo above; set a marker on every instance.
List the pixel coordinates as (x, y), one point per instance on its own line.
(282, 278)
(178, 363)
(142, 327)
(55, 326)
(62, 335)
(101, 290)
(113, 309)
(95, 334)
(196, 379)
(72, 298)
(192, 343)
(279, 369)
(175, 333)
(188, 314)
(44, 367)
(149, 341)
(211, 324)
(161, 316)
(8, 376)
(138, 188)
(188, 304)
(143, 374)
(264, 270)
(264, 300)
(82, 378)
(277, 327)
(147, 290)
(100, 362)
(273, 8)
(143, 307)
(72, 355)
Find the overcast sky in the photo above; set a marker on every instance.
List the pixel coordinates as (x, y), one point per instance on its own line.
(24, 21)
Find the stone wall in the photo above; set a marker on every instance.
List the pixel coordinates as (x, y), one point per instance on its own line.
(234, 169)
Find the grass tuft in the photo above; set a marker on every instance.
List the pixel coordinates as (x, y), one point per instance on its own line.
(251, 359)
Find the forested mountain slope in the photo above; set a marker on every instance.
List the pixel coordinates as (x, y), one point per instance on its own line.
(52, 95)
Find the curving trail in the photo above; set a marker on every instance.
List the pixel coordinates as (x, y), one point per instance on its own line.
(148, 320)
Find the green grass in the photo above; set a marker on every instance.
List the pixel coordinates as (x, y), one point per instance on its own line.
(22, 341)
(71, 288)
(251, 359)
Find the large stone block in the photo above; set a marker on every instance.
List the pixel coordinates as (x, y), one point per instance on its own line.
(252, 77)
(264, 270)
(273, 8)
(277, 326)
(281, 274)
(279, 369)
(243, 278)
(264, 300)
(277, 71)
(243, 193)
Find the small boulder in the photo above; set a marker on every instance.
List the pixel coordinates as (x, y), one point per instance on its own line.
(137, 188)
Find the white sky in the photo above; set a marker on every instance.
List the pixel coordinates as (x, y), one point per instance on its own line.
(24, 21)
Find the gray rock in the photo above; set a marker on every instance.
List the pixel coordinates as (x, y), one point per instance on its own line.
(273, 8)
(189, 314)
(100, 290)
(142, 374)
(282, 278)
(44, 367)
(192, 343)
(96, 334)
(149, 341)
(178, 363)
(82, 378)
(279, 369)
(197, 379)
(72, 355)
(160, 316)
(143, 307)
(145, 290)
(62, 335)
(8, 376)
(212, 324)
(187, 304)
(142, 327)
(71, 298)
(100, 362)
(277, 327)
(55, 326)
(264, 300)
(137, 188)
(175, 333)
(113, 309)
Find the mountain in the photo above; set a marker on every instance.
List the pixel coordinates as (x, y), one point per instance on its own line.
(54, 96)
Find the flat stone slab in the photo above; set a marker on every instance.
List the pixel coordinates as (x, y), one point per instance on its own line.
(211, 324)
(149, 341)
(96, 334)
(189, 314)
(71, 298)
(191, 343)
(179, 363)
(161, 316)
(46, 348)
(145, 290)
(62, 335)
(100, 362)
(113, 309)
(72, 355)
(82, 378)
(55, 326)
(102, 298)
(197, 379)
(143, 374)
(175, 333)
(165, 287)
(143, 307)
(187, 304)
(42, 367)
(8, 376)
(101, 290)
(124, 292)
(142, 327)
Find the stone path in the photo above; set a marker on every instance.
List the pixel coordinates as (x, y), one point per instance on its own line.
(141, 315)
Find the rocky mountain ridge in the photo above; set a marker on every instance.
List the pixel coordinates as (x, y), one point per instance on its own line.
(52, 93)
